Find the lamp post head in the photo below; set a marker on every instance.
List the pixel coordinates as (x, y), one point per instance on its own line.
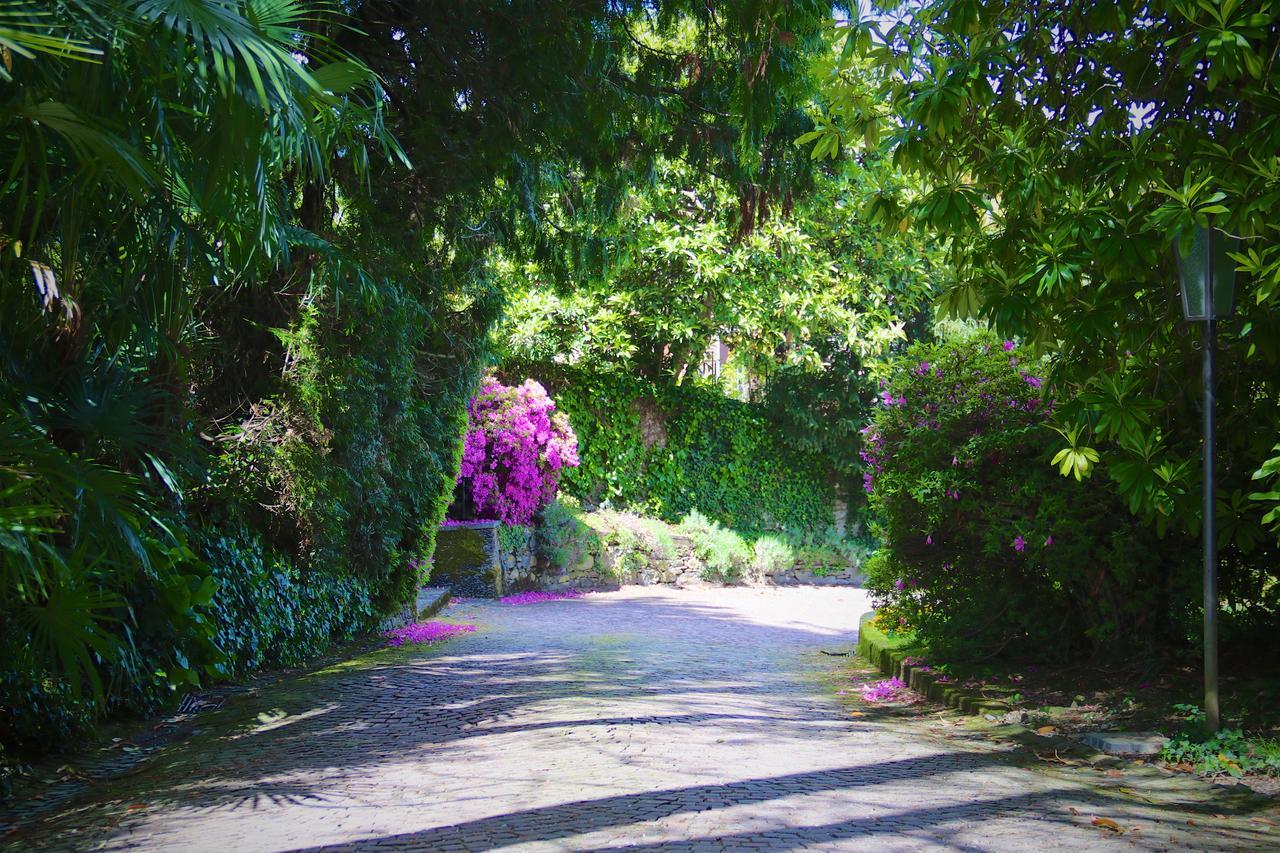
(1206, 275)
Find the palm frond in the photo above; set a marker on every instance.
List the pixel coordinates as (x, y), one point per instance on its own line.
(25, 31)
(229, 43)
(98, 149)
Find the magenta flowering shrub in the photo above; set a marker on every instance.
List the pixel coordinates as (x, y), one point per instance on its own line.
(515, 448)
(986, 547)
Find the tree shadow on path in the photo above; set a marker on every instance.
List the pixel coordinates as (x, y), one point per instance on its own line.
(330, 740)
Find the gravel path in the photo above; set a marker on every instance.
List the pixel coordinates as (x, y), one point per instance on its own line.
(642, 719)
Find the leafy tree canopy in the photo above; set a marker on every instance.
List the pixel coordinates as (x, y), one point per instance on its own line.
(244, 258)
(785, 288)
(1063, 149)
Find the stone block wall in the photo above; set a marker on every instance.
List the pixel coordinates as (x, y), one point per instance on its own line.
(609, 566)
(598, 559)
(517, 559)
(814, 574)
(467, 560)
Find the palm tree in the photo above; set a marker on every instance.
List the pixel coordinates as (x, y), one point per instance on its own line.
(152, 152)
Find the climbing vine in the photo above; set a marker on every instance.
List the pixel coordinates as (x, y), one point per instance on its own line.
(667, 450)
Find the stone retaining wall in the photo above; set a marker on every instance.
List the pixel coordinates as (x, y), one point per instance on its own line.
(812, 574)
(605, 565)
(517, 559)
(609, 567)
(467, 560)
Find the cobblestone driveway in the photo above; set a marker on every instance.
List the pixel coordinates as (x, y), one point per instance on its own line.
(642, 719)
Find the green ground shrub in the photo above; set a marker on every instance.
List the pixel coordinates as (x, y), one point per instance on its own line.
(512, 537)
(567, 535)
(268, 613)
(38, 713)
(770, 554)
(653, 535)
(628, 552)
(563, 536)
(1224, 753)
(987, 548)
(725, 555)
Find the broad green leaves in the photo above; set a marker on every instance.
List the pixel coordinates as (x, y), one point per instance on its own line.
(1074, 460)
(1065, 151)
(1232, 38)
(1270, 470)
(1122, 410)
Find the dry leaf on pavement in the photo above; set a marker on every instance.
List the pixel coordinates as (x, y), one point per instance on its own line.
(1107, 823)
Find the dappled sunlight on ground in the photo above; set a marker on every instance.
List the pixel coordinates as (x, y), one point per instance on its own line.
(826, 612)
(635, 719)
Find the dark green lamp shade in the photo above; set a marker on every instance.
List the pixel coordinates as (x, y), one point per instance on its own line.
(1207, 275)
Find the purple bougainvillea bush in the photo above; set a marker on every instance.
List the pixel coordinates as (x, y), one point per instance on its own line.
(987, 547)
(515, 448)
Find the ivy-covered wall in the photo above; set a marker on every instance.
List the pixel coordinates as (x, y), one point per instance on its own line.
(665, 450)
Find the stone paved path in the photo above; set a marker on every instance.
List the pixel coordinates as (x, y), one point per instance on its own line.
(642, 719)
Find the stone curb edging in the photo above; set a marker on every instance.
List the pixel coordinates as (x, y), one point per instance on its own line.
(890, 661)
(893, 662)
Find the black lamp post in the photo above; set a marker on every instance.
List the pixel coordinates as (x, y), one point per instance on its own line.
(1206, 276)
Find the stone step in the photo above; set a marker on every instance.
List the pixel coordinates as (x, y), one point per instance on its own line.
(431, 599)
(1127, 743)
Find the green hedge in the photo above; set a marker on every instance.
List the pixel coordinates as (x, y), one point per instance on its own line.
(301, 527)
(351, 465)
(270, 613)
(668, 450)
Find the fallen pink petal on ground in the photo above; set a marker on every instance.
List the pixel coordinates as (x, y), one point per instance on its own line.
(539, 597)
(426, 632)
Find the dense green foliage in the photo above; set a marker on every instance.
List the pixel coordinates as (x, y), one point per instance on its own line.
(39, 713)
(207, 359)
(1224, 753)
(820, 412)
(1063, 150)
(986, 549)
(245, 274)
(802, 297)
(666, 450)
(792, 288)
(268, 614)
(138, 202)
